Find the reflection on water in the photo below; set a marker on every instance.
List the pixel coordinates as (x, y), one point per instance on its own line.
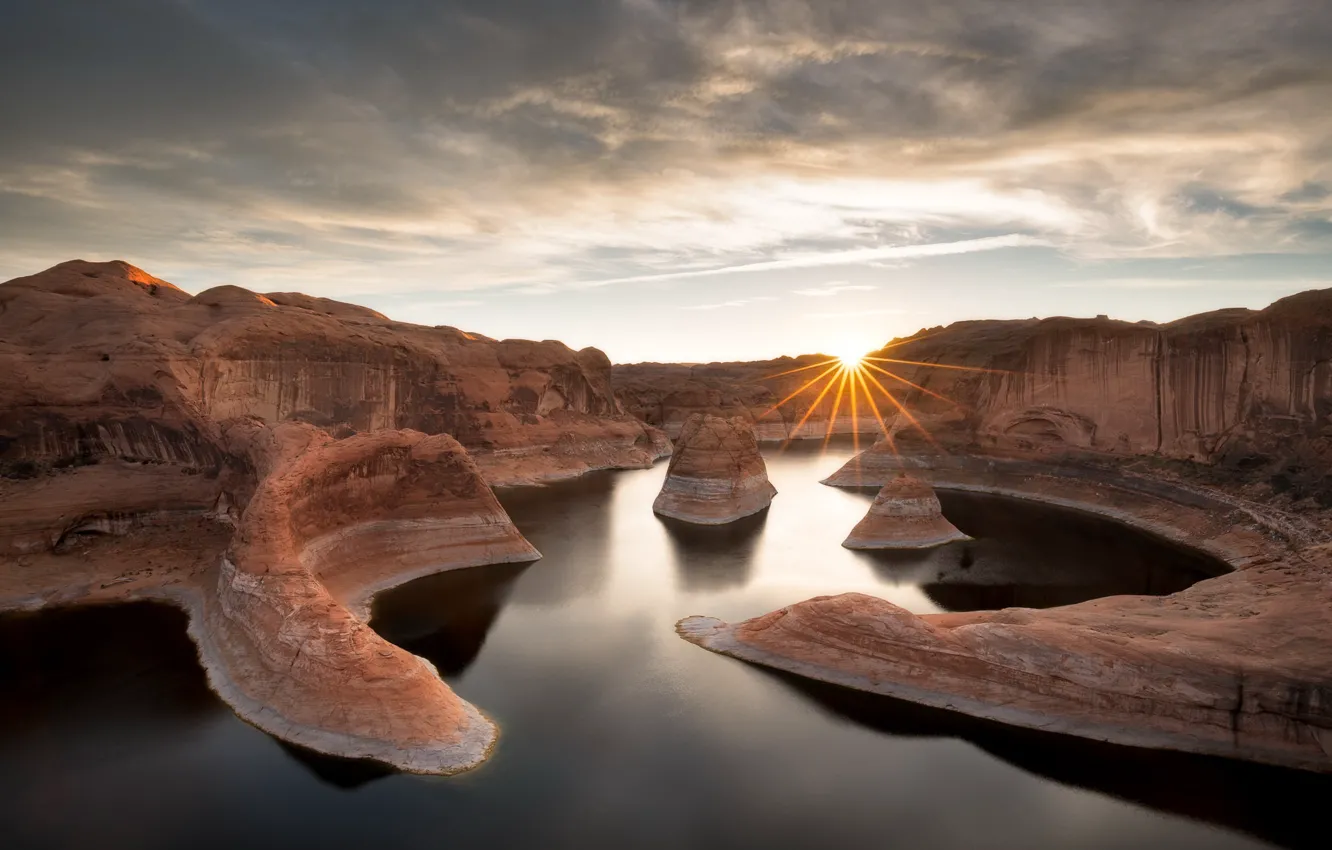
(1267, 802)
(614, 732)
(715, 557)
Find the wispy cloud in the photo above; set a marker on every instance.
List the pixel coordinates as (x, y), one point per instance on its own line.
(833, 288)
(856, 314)
(850, 257)
(1150, 283)
(736, 302)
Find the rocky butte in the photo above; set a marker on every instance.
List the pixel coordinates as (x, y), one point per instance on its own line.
(270, 461)
(716, 474)
(1214, 431)
(904, 515)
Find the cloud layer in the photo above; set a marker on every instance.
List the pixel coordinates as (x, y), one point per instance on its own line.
(528, 146)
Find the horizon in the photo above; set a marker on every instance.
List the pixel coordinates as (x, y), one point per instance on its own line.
(847, 352)
(757, 178)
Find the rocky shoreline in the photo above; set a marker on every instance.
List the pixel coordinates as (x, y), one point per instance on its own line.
(1235, 666)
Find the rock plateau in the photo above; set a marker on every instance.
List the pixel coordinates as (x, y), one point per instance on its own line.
(716, 474)
(904, 515)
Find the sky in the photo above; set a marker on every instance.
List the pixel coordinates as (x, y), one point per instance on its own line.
(681, 180)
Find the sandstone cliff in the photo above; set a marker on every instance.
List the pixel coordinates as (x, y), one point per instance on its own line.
(269, 462)
(1249, 392)
(114, 385)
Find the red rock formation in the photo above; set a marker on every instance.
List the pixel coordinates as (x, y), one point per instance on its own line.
(904, 515)
(1247, 391)
(1238, 665)
(113, 384)
(716, 475)
(138, 424)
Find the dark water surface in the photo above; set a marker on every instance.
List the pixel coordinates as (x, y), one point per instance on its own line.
(616, 733)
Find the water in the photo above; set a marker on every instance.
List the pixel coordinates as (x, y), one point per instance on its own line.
(616, 733)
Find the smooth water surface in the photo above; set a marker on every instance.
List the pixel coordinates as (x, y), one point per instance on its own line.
(616, 733)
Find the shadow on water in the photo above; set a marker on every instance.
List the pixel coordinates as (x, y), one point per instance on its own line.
(342, 773)
(1270, 803)
(446, 617)
(569, 522)
(1030, 555)
(714, 557)
(131, 663)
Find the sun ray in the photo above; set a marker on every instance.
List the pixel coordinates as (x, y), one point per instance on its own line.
(939, 365)
(907, 413)
(812, 408)
(835, 361)
(803, 387)
(837, 405)
(855, 413)
(898, 377)
(874, 407)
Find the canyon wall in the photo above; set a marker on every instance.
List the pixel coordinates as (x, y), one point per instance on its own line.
(115, 385)
(1246, 391)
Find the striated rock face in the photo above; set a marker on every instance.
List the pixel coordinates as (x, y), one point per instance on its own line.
(269, 462)
(716, 475)
(329, 525)
(1237, 665)
(113, 385)
(1246, 391)
(904, 515)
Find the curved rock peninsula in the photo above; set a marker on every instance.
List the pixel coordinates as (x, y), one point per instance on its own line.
(269, 462)
(904, 515)
(716, 474)
(1239, 665)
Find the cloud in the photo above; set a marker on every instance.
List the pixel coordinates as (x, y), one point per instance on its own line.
(855, 314)
(852, 256)
(831, 289)
(343, 144)
(737, 302)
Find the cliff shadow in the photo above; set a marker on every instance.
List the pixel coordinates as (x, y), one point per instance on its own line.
(1026, 554)
(447, 616)
(712, 558)
(342, 773)
(1269, 803)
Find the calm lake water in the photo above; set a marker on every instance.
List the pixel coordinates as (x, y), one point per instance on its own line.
(616, 733)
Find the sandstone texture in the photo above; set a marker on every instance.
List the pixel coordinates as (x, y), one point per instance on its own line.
(904, 515)
(716, 474)
(269, 462)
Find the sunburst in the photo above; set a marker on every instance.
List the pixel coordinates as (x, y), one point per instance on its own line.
(855, 377)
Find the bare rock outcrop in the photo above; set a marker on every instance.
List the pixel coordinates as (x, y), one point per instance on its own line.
(1248, 392)
(1237, 665)
(284, 635)
(904, 515)
(269, 462)
(716, 474)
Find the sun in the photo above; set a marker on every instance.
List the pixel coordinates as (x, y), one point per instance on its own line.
(851, 362)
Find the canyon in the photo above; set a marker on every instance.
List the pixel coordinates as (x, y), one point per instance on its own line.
(269, 462)
(1212, 432)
